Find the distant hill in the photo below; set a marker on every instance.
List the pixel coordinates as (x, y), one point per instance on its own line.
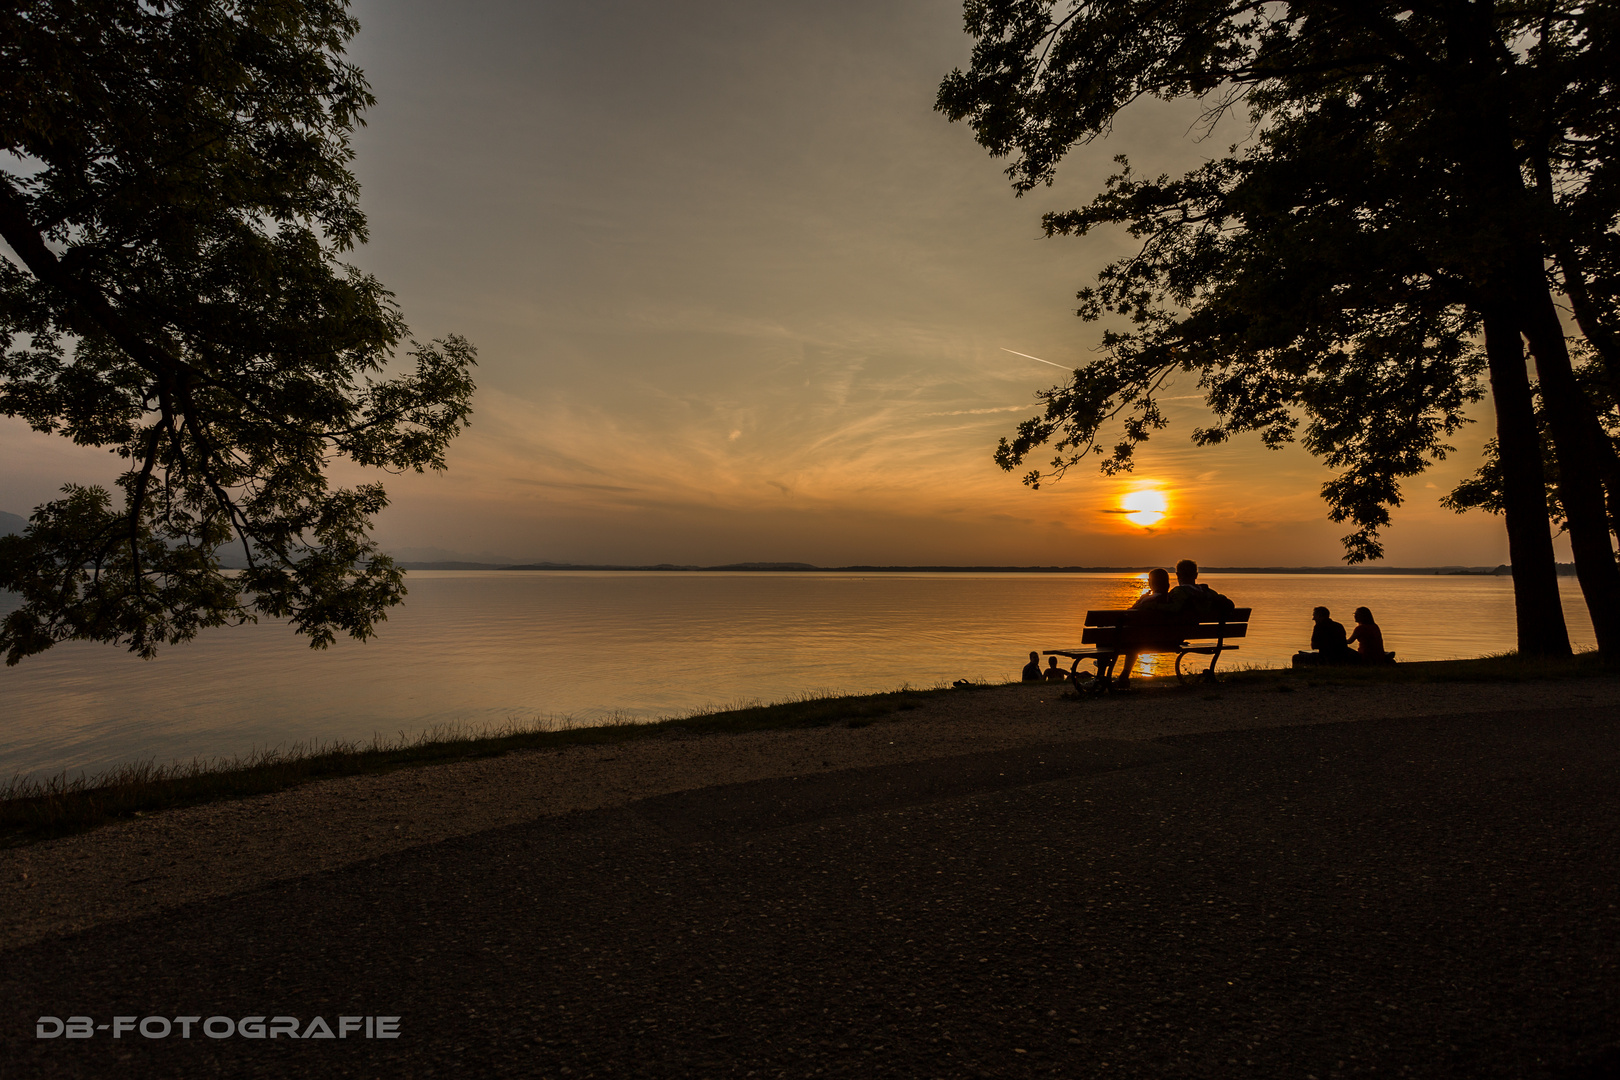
(585, 566)
(11, 523)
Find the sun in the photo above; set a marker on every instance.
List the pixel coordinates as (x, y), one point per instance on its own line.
(1145, 508)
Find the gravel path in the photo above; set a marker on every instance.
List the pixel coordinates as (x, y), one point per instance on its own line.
(1413, 897)
(149, 865)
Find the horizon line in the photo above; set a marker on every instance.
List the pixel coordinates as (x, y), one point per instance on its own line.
(1455, 569)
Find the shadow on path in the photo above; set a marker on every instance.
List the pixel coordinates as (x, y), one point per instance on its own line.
(1430, 898)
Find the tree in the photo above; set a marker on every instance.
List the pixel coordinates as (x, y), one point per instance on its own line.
(1383, 217)
(176, 193)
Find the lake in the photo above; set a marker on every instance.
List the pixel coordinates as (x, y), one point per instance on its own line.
(487, 648)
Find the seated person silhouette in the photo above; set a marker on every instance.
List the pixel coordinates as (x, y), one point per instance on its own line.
(1368, 639)
(1032, 670)
(1194, 601)
(1155, 604)
(1327, 638)
(1053, 672)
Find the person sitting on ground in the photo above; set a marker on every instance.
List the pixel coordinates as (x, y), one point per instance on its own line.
(1192, 600)
(1153, 605)
(1053, 672)
(1327, 638)
(1032, 670)
(1368, 639)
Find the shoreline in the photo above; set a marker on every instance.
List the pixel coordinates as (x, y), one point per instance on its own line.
(160, 860)
(34, 809)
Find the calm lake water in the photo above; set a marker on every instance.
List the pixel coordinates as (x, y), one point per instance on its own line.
(486, 648)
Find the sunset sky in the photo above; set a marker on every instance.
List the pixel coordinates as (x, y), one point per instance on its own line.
(740, 294)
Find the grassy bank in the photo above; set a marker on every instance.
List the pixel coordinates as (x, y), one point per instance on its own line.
(1500, 668)
(33, 810)
(37, 810)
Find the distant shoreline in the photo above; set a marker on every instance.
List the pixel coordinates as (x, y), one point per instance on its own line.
(807, 568)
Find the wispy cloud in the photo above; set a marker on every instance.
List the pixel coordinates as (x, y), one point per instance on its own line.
(766, 289)
(982, 412)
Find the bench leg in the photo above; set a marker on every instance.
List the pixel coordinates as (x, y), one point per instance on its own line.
(1084, 682)
(1207, 675)
(1105, 671)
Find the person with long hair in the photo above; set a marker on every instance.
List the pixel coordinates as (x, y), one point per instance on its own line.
(1152, 605)
(1368, 638)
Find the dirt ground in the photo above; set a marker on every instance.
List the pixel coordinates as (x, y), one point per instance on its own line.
(163, 860)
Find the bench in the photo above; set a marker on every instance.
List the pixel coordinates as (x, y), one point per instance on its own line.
(1115, 633)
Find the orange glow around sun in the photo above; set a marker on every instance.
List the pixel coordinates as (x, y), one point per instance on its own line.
(1145, 508)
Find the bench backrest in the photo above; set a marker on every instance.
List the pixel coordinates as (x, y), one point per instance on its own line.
(1119, 628)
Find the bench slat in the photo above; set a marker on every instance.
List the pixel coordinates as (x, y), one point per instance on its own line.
(1110, 635)
(1203, 630)
(1119, 617)
(1114, 635)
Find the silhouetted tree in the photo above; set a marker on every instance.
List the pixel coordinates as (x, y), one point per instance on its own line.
(1343, 265)
(175, 193)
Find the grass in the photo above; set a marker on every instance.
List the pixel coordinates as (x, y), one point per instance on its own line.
(1507, 667)
(34, 810)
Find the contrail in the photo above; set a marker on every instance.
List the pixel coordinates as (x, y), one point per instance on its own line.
(1037, 359)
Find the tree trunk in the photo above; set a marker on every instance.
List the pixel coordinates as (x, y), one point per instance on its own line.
(1538, 610)
(1580, 485)
(1587, 312)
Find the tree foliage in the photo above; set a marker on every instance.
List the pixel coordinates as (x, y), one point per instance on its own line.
(176, 193)
(1315, 318)
(1406, 163)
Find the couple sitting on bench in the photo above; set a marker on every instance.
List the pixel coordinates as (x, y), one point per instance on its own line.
(1188, 602)
(1188, 619)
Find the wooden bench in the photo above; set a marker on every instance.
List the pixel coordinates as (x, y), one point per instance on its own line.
(1112, 634)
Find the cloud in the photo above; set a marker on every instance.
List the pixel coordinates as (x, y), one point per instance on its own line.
(982, 412)
(762, 268)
